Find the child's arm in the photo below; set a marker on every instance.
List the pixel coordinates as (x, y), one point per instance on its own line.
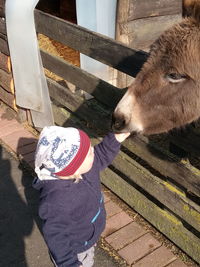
(106, 151)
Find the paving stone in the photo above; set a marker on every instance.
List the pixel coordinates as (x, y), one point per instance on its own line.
(4, 122)
(29, 157)
(26, 149)
(3, 115)
(32, 164)
(139, 248)
(116, 222)
(18, 139)
(177, 263)
(112, 208)
(125, 235)
(159, 258)
(1, 112)
(27, 140)
(106, 197)
(9, 129)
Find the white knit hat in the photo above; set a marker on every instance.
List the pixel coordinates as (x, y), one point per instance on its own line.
(60, 151)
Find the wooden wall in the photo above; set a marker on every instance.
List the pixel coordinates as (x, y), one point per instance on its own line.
(7, 93)
(140, 23)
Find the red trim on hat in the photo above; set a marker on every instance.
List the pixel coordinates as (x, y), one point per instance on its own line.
(79, 158)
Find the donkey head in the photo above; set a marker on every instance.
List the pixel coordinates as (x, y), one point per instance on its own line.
(166, 92)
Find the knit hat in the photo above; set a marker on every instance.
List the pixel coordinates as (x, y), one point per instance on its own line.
(60, 151)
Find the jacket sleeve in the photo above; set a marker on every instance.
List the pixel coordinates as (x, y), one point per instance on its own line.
(106, 151)
(56, 234)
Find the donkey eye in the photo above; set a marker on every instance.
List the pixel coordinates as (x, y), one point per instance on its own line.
(176, 77)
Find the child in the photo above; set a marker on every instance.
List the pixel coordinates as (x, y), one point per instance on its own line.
(71, 202)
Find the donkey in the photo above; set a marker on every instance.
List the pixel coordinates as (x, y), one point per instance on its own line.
(166, 92)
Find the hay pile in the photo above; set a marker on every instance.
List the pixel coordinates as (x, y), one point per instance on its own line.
(59, 50)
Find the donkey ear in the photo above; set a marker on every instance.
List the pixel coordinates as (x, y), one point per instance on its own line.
(191, 8)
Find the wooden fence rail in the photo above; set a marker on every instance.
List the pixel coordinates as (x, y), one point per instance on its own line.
(94, 45)
(100, 89)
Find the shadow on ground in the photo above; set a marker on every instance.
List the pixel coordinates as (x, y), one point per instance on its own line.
(15, 221)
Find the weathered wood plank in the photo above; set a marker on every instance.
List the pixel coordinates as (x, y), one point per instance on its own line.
(189, 141)
(143, 32)
(3, 36)
(97, 46)
(64, 96)
(123, 11)
(2, 12)
(6, 81)
(166, 164)
(160, 218)
(151, 8)
(5, 63)
(81, 108)
(63, 117)
(29, 118)
(7, 98)
(167, 194)
(4, 47)
(2, 26)
(101, 90)
(2, 8)
(21, 115)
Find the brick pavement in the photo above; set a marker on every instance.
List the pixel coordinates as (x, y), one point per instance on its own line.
(132, 243)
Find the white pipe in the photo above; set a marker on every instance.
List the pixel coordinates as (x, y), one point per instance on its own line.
(30, 83)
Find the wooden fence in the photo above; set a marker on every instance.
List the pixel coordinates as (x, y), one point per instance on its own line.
(156, 183)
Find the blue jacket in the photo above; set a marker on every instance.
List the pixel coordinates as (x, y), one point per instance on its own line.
(73, 214)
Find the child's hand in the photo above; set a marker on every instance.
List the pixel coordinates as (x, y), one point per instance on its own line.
(121, 136)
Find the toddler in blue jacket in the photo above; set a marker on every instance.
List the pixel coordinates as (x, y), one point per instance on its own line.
(71, 203)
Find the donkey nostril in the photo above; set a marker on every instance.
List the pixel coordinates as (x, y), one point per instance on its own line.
(119, 123)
